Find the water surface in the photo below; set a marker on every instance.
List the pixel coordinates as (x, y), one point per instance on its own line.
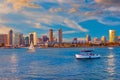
(58, 64)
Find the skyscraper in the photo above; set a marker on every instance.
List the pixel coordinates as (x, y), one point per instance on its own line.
(26, 41)
(44, 38)
(18, 39)
(112, 35)
(10, 38)
(51, 35)
(33, 38)
(60, 35)
(103, 39)
(88, 38)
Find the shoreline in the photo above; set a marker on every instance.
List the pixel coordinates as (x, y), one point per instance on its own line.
(60, 47)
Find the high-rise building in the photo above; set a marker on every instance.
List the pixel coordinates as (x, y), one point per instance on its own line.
(3, 39)
(33, 38)
(103, 39)
(88, 38)
(45, 38)
(96, 39)
(51, 35)
(10, 38)
(26, 40)
(112, 35)
(74, 40)
(21, 39)
(118, 38)
(40, 40)
(18, 39)
(54, 39)
(60, 35)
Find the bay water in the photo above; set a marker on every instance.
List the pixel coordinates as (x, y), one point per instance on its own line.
(59, 64)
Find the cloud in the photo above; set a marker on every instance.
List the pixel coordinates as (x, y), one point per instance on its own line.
(55, 10)
(74, 25)
(53, 19)
(108, 2)
(94, 13)
(39, 26)
(112, 9)
(109, 22)
(5, 29)
(18, 4)
(4, 9)
(69, 32)
(73, 10)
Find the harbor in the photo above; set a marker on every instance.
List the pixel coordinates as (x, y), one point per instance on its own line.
(58, 64)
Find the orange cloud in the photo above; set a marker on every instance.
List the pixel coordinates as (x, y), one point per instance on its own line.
(18, 4)
(92, 13)
(5, 29)
(108, 2)
(73, 10)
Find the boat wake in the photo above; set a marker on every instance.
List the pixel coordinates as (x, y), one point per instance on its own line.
(110, 56)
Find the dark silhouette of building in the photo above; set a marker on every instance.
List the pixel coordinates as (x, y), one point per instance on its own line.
(60, 35)
(10, 38)
(26, 41)
(51, 35)
(31, 38)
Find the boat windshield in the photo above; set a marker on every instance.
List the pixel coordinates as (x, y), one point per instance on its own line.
(87, 51)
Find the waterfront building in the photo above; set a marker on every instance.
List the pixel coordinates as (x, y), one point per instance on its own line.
(26, 41)
(21, 38)
(103, 39)
(54, 39)
(18, 39)
(33, 38)
(10, 38)
(88, 38)
(96, 39)
(118, 38)
(3, 39)
(40, 40)
(60, 35)
(112, 35)
(44, 38)
(74, 40)
(81, 40)
(51, 35)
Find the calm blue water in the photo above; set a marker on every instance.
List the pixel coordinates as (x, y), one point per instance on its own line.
(58, 64)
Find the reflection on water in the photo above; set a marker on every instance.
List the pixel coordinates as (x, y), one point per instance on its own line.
(111, 63)
(14, 61)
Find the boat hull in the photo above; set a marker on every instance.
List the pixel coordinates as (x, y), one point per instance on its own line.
(78, 56)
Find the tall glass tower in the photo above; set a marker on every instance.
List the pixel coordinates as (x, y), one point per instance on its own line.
(112, 35)
(10, 38)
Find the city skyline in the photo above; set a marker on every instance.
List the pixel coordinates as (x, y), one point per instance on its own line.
(52, 35)
(76, 18)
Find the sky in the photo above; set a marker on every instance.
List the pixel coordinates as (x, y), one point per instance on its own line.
(76, 18)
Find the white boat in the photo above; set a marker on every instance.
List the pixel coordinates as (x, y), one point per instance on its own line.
(31, 48)
(86, 54)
